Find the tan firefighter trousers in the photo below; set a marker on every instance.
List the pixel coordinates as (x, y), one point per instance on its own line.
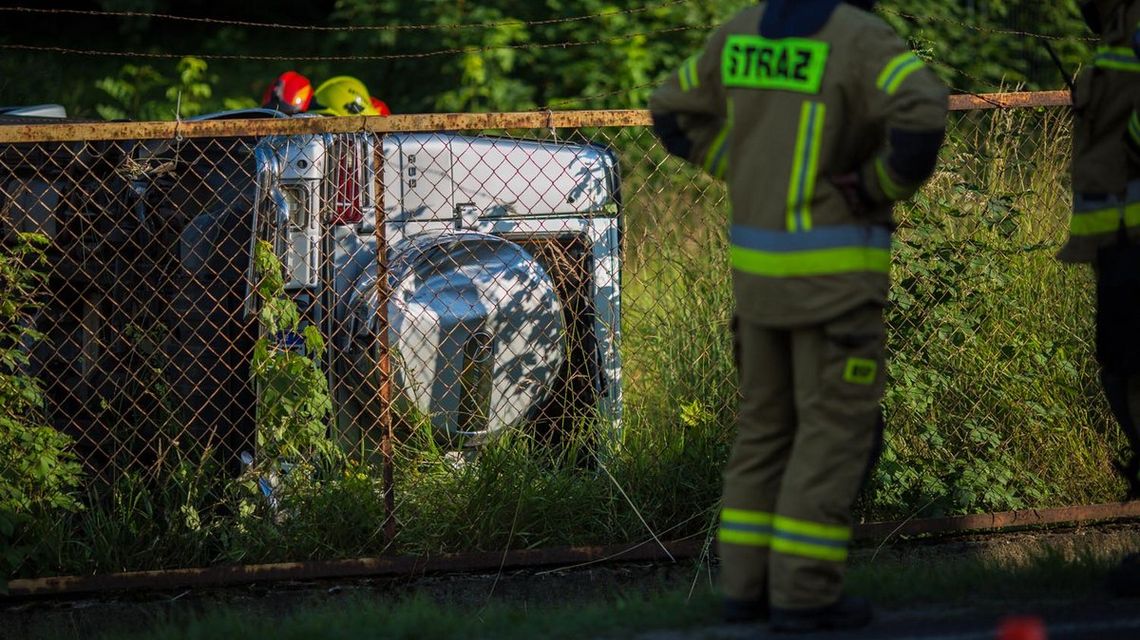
(808, 429)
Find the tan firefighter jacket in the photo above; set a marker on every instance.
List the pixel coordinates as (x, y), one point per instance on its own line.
(1106, 179)
(777, 119)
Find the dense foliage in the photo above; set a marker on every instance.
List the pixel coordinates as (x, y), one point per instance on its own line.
(38, 473)
(979, 46)
(507, 55)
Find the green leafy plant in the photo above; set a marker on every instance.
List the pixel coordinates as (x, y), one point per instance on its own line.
(979, 46)
(38, 474)
(992, 401)
(146, 93)
(293, 401)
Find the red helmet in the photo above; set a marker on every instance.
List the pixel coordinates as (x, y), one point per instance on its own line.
(290, 93)
(381, 106)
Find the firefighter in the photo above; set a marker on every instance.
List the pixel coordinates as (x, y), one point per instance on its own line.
(819, 118)
(343, 96)
(291, 93)
(1105, 226)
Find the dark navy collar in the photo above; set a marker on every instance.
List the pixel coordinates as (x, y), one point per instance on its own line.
(801, 18)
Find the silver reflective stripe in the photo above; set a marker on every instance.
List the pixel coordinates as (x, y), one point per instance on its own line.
(1082, 203)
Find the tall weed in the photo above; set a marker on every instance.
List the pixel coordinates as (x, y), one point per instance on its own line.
(993, 401)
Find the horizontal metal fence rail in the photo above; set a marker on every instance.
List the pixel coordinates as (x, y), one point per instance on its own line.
(70, 132)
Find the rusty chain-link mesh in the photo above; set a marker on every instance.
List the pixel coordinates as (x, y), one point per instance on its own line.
(546, 282)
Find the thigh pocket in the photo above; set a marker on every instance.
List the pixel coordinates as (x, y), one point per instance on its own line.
(853, 362)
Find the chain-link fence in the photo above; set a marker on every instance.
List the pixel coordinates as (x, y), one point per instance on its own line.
(538, 354)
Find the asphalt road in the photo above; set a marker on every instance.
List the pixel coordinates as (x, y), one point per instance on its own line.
(1064, 620)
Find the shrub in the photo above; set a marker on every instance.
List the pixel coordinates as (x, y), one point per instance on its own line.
(39, 473)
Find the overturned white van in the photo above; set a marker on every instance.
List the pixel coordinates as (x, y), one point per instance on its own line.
(503, 265)
(502, 258)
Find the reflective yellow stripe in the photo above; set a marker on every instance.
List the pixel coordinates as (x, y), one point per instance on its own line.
(744, 538)
(897, 70)
(813, 529)
(808, 550)
(1134, 127)
(694, 77)
(1093, 223)
(716, 160)
(902, 75)
(744, 527)
(1117, 59)
(820, 262)
(891, 67)
(746, 517)
(813, 166)
(720, 164)
(892, 189)
(810, 539)
(688, 75)
(715, 150)
(801, 189)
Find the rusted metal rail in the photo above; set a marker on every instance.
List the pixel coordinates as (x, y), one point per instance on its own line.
(339, 569)
(1023, 100)
(384, 357)
(648, 550)
(71, 132)
(1002, 521)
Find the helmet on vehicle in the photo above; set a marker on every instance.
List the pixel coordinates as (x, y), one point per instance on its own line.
(343, 96)
(290, 93)
(380, 106)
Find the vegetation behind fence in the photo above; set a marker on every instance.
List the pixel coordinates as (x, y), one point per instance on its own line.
(163, 332)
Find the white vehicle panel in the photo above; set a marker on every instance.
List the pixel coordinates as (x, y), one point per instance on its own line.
(502, 177)
(418, 182)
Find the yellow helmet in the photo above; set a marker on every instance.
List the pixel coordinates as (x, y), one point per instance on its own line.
(343, 96)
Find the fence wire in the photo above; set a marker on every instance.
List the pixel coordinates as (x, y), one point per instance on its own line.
(216, 311)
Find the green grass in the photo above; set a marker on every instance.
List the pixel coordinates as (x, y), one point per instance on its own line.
(420, 618)
(984, 578)
(998, 570)
(992, 404)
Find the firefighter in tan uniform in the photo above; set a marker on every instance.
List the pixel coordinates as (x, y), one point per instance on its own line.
(819, 118)
(1105, 227)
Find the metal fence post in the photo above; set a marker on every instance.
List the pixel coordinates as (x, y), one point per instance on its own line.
(383, 348)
